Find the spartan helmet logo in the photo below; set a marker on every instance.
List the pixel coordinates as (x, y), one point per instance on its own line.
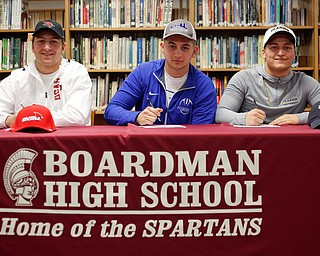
(20, 182)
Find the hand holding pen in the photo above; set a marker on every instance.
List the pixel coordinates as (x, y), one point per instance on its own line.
(151, 105)
(149, 115)
(255, 116)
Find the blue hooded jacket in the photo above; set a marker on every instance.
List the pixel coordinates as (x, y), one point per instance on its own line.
(194, 103)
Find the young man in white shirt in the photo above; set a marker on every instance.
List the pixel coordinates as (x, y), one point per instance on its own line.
(62, 85)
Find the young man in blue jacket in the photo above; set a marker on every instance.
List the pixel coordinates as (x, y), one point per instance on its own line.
(166, 91)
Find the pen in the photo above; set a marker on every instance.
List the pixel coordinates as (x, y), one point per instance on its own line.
(151, 105)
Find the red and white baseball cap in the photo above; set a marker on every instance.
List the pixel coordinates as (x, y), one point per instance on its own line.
(34, 117)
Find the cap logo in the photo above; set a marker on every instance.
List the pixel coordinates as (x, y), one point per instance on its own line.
(48, 24)
(179, 27)
(271, 32)
(37, 117)
(279, 27)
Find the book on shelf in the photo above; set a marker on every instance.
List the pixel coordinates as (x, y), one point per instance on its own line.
(134, 51)
(122, 14)
(4, 59)
(10, 53)
(103, 92)
(124, 58)
(94, 87)
(115, 51)
(16, 53)
(110, 55)
(140, 45)
(99, 93)
(199, 6)
(132, 13)
(114, 88)
(71, 13)
(91, 13)
(141, 13)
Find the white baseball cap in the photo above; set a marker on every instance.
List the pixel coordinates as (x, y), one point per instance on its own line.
(279, 30)
(180, 27)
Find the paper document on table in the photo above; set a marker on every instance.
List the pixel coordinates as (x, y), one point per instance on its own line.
(256, 126)
(164, 126)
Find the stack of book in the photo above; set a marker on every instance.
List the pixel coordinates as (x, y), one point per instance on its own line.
(120, 13)
(115, 51)
(210, 13)
(103, 89)
(13, 14)
(15, 52)
(234, 52)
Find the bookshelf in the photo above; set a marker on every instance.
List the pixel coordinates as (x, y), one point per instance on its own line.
(94, 31)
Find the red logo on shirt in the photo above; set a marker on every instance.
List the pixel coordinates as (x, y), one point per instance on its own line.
(57, 88)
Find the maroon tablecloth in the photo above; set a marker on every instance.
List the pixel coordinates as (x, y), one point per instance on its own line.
(198, 190)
